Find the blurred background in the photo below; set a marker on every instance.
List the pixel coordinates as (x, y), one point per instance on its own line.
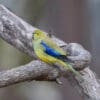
(70, 20)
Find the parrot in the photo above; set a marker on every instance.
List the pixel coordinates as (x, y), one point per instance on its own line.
(48, 51)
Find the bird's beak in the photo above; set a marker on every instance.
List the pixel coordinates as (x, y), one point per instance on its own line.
(33, 37)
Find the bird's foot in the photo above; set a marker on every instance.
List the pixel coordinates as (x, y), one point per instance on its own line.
(58, 81)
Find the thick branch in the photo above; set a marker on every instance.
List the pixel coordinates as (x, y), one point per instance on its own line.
(18, 33)
(35, 70)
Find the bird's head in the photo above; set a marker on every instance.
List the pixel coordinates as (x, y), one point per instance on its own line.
(38, 34)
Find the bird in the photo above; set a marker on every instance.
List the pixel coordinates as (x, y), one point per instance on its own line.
(48, 51)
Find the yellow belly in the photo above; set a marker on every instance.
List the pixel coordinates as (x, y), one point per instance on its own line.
(44, 57)
(48, 59)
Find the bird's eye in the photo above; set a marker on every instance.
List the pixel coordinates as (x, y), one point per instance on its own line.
(37, 33)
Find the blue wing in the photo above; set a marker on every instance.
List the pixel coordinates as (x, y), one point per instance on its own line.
(52, 52)
(49, 50)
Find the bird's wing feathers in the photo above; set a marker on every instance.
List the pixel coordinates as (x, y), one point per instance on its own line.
(53, 50)
(49, 50)
(54, 46)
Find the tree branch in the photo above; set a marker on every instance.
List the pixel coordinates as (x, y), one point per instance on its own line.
(35, 70)
(19, 34)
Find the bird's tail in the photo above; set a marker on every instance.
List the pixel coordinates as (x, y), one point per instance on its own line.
(76, 73)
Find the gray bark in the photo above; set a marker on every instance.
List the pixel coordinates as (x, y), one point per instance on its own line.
(35, 70)
(19, 34)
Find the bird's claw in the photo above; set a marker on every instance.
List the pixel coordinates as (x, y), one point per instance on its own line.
(58, 81)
